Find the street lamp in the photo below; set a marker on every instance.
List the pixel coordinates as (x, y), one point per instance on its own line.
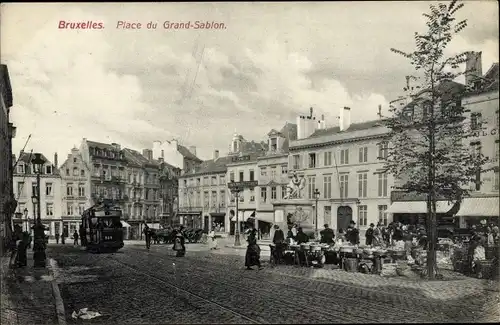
(316, 197)
(39, 255)
(25, 211)
(236, 191)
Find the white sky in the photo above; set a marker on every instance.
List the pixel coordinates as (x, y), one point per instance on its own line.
(274, 61)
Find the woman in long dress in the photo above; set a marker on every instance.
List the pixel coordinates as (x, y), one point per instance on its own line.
(212, 241)
(252, 256)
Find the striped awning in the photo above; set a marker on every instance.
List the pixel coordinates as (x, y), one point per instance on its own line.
(479, 207)
(418, 207)
(244, 215)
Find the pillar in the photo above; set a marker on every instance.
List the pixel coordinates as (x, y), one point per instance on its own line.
(61, 228)
(52, 228)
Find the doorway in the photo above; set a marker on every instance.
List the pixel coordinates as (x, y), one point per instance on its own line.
(206, 225)
(344, 216)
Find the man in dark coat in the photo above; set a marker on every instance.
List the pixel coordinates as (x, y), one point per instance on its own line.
(369, 235)
(147, 235)
(327, 235)
(352, 233)
(278, 240)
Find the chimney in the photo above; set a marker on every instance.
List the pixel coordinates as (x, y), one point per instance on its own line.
(160, 159)
(216, 154)
(473, 67)
(55, 160)
(345, 119)
(193, 150)
(148, 154)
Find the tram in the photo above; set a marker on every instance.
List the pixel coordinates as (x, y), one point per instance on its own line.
(102, 228)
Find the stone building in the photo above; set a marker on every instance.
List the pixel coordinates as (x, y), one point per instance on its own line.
(76, 191)
(481, 103)
(25, 189)
(108, 176)
(7, 132)
(176, 155)
(341, 163)
(272, 175)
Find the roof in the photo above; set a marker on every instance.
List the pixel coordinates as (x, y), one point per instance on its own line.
(26, 157)
(253, 157)
(6, 87)
(135, 158)
(353, 127)
(211, 166)
(100, 145)
(186, 153)
(289, 131)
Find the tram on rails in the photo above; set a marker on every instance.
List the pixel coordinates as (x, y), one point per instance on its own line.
(102, 228)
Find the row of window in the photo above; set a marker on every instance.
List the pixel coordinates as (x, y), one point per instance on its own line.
(23, 168)
(274, 171)
(206, 181)
(70, 209)
(343, 155)
(106, 153)
(76, 172)
(362, 215)
(49, 209)
(193, 199)
(149, 211)
(106, 172)
(343, 184)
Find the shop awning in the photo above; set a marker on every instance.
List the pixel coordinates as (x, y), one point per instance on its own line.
(154, 225)
(265, 216)
(125, 224)
(479, 207)
(244, 215)
(418, 207)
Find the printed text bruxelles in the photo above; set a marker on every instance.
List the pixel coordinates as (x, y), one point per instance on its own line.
(80, 25)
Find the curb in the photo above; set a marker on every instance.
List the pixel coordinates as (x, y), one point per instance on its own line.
(59, 303)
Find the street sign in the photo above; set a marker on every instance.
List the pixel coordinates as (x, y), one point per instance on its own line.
(242, 158)
(241, 185)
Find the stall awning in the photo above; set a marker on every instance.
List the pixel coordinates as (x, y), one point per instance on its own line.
(265, 216)
(418, 207)
(154, 225)
(125, 224)
(244, 215)
(479, 207)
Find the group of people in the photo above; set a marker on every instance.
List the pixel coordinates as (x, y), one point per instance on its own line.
(76, 236)
(179, 239)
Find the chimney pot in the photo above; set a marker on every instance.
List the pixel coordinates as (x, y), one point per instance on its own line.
(55, 160)
(216, 154)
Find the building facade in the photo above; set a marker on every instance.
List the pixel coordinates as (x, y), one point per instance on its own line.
(482, 108)
(203, 195)
(107, 163)
(342, 163)
(7, 132)
(25, 188)
(176, 155)
(273, 176)
(76, 191)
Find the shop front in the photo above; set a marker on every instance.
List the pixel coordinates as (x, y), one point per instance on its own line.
(215, 221)
(243, 217)
(264, 223)
(190, 219)
(475, 209)
(415, 212)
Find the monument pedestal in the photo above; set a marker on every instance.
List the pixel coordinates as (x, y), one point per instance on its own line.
(301, 210)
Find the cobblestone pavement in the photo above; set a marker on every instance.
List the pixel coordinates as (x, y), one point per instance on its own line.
(27, 296)
(136, 286)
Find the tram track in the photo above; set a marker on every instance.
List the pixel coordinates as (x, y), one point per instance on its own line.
(331, 298)
(301, 305)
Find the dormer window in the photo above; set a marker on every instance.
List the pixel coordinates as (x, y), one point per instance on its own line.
(20, 169)
(48, 169)
(274, 144)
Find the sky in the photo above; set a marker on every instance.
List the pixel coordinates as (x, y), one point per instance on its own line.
(272, 62)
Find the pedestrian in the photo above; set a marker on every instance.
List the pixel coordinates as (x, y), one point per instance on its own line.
(22, 247)
(377, 236)
(63, 238)
(278, 241)
(179, 245)
(352, 233)
(75, 238)
(57, 238)
(369, 235)
(212, 241)
(252, 256)
(327, 235)
(147, 235)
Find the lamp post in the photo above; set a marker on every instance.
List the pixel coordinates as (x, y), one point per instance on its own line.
(316, 197)
(39, 255)
(236, 191)
(26, 218)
